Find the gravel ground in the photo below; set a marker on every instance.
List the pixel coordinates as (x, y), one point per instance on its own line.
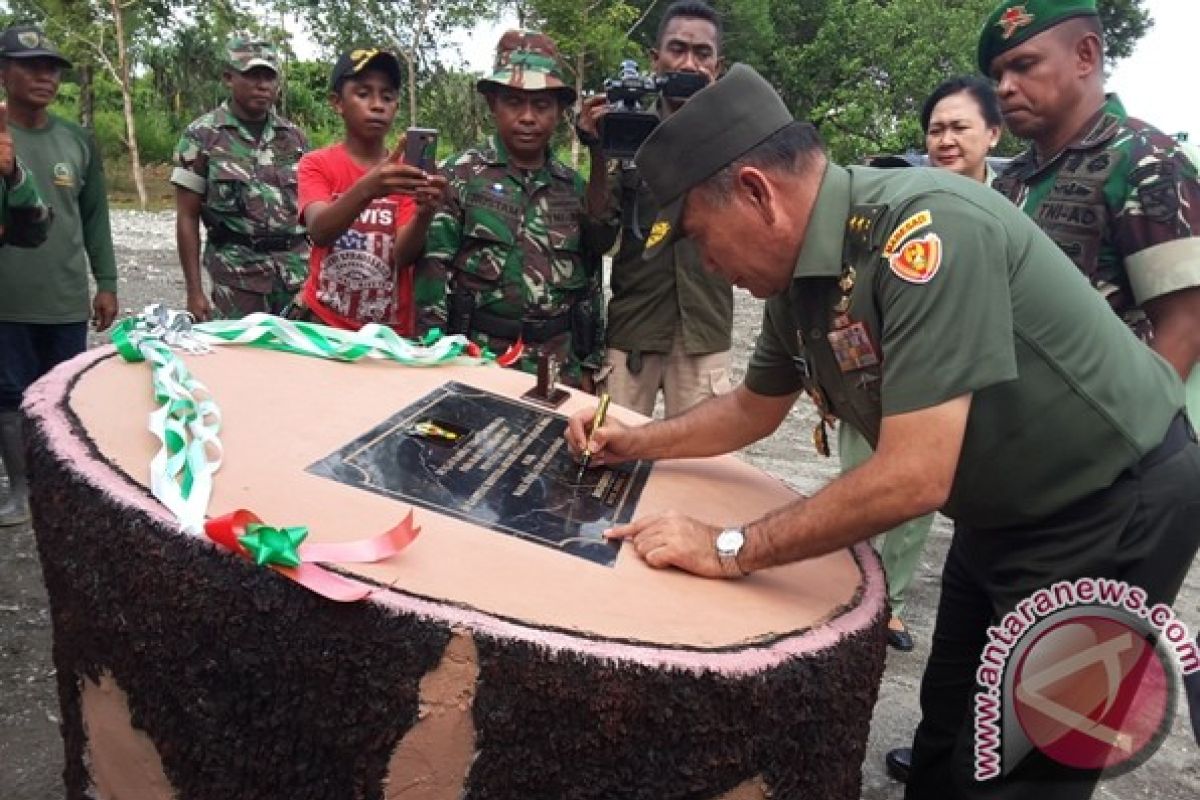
(30, 747)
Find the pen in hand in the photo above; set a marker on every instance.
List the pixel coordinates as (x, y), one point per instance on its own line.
(597, 421)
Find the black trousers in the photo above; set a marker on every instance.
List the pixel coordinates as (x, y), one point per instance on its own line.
(1144, 530)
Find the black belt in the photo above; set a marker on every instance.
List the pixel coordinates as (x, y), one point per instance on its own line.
(533, 331)
(1179, 434)
(259, 244)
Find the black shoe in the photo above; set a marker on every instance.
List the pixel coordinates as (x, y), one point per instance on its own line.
(899, 763)
(900, 639)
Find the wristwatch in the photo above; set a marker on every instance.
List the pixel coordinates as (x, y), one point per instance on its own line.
(729, 543)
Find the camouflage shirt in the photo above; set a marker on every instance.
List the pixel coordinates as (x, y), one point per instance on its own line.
(523, 245)
(1123, 201)
(255, 240)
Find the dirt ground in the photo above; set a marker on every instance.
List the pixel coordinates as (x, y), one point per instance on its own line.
(30, 746)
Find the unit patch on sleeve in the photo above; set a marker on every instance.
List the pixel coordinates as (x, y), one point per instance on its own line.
(918, 260)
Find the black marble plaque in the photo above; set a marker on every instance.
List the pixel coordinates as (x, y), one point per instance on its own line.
(496, 462)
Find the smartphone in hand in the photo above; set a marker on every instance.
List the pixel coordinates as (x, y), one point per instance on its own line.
(420, 148)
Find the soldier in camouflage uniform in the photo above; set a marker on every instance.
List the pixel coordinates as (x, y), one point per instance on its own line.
(236, 172)
(521, 237)
(1116, 194)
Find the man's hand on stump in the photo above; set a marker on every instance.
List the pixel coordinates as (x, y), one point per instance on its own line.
(672, 539)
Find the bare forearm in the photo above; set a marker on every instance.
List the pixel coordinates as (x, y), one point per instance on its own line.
(597, 187)
(187, 242)
(857, 506)
(1181, 348)
(873, 498)
(327, 221)
(720, 425)
(410, 237)
(1176, 320)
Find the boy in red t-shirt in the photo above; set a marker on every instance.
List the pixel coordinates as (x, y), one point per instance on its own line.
(366, 211)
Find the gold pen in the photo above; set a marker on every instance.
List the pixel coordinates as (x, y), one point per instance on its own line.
(597, 421)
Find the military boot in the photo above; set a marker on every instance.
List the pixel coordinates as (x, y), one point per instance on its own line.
(15, 510)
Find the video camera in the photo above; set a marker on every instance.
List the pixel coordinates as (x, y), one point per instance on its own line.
(631, 95)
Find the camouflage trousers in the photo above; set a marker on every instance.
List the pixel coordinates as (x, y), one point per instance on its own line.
(231, 303)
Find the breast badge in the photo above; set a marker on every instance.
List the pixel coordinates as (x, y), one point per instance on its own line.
(658, 233)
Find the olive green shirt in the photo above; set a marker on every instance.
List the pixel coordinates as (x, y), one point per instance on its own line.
(973, 298)
(652, 299)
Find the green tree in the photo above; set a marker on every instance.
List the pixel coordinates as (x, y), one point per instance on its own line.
(860, 69)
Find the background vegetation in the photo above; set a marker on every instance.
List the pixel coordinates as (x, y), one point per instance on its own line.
(859, 69)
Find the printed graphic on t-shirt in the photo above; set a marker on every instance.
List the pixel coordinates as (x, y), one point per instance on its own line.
(357, 279)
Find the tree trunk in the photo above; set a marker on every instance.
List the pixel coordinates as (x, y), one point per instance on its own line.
(87, 96)
(412, 90)
(135, 162)
(283, 89)
(418, 33)
(580, 60)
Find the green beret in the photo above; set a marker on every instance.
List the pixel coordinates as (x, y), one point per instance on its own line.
(1015, 22)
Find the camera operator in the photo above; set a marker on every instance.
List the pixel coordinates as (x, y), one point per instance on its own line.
(669, 319)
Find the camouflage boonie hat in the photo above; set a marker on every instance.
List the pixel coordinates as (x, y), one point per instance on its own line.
(245, 54)
(527, 60)
(1014, 22)
(28, 41)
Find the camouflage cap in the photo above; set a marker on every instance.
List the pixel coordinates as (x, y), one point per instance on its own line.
(1013, 23)
(527, 60)
(245, 53)
(719, 124)
(28, 41)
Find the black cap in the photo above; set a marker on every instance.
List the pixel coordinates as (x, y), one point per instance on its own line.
(352, 62)
(719, 124)
(28, 41)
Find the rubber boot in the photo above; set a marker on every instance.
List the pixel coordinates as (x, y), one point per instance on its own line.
(15, 510)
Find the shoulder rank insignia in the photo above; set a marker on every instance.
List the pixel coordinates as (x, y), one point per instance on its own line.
(918, 260)
(918, 221)
(860, 231)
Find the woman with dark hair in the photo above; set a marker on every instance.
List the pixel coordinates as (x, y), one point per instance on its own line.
(962, 123)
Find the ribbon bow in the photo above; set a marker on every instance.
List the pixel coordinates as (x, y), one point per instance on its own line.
(282, 550)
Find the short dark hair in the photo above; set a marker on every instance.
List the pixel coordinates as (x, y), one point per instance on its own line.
(792, 150)
(979, 88)
(691, 9)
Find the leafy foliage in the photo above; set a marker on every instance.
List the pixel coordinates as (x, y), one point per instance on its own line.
(858, 68)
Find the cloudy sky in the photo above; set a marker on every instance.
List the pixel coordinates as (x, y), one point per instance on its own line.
(1158, 82)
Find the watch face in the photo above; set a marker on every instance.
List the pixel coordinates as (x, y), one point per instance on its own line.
(730, 541)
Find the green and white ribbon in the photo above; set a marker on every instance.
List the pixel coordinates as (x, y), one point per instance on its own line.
(188, 421)
(321, 341)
